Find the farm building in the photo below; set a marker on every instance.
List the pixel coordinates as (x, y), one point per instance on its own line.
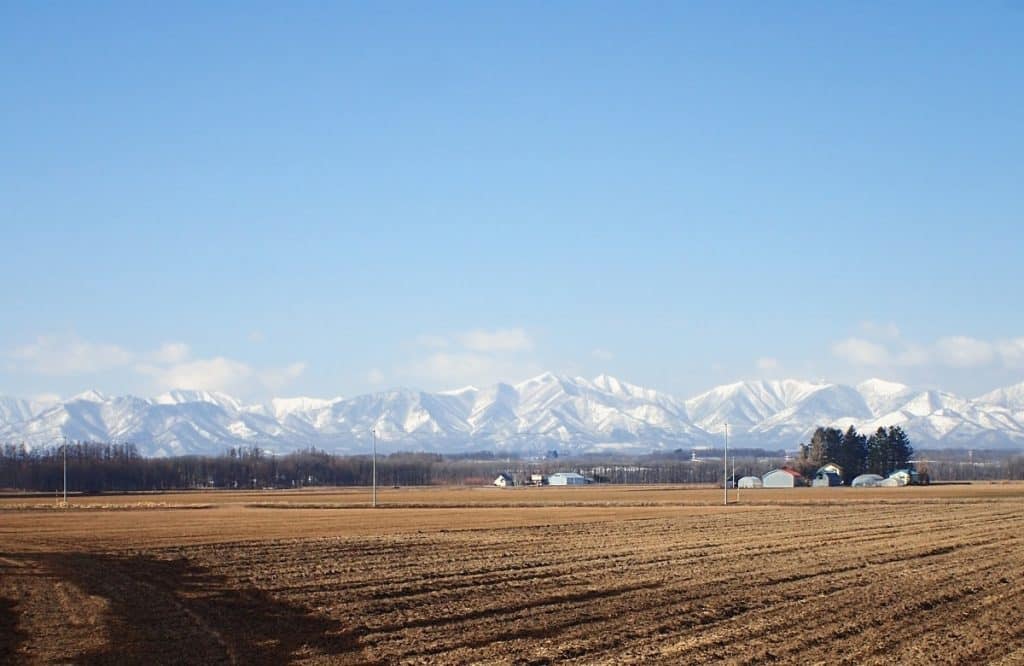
(906, 477)
(567, 479)
(538, 479)
(504, 480)
(831, 467)
(750, 482)
(783, 478)
(825, 478)
(866, 481)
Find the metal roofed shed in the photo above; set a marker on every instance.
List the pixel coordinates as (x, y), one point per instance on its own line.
(783, 478)
(567, 479)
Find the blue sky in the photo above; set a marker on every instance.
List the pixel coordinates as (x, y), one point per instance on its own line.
(333, 198)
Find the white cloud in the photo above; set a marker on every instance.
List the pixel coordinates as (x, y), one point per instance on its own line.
(1011, 351)
(768, 363)
(602, 354)
(67, 357)
(452, 369)
(913, 355)
(955, 351)
(221, 374)
(170, 366)
(171, 352)
(477, 356)
(861, 352)
(375, 376)
(277, 378)
(964, 352)
(214, 374)
(499, 340)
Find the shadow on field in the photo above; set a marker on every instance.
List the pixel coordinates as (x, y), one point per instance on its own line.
(171, 611)
(10, 636)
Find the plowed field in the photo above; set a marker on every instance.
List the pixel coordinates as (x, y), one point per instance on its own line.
(598, 575)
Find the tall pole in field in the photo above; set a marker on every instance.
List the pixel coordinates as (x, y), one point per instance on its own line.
(735, 483)
(65, 471)
(725, 469)
(373, 434)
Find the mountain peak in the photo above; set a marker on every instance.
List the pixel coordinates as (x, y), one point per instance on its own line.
(882, 386)
(91, 395)
(469, 388)
(545, 411)
(184, 396)
(1010, 397)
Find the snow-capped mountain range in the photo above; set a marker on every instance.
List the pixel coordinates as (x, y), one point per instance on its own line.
(542, 413)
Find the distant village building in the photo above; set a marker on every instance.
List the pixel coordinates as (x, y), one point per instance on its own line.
(783, 478)
(538, 479)
(824, 478)
(751, 482)
(832, 467)
(504, 480)
(567, 479)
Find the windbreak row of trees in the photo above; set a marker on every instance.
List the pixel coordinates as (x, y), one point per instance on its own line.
(884, 452)
(99, 467)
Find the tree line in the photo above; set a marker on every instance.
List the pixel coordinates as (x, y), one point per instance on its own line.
(882, 453)
(101, 467)
(104, 467)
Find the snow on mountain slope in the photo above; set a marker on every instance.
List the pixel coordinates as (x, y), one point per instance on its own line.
(301, 406)
(882, 396)
(14, 410)
(180, 397)
(1010, 397)
(830, 404)
(745, 404)
(547, 411)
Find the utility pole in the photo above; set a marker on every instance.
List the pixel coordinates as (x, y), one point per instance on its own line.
(725, 469)
(65, 447)
(373, 434)
(735, 481)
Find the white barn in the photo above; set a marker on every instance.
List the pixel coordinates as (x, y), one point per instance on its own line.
(567, 479)
(782, 478)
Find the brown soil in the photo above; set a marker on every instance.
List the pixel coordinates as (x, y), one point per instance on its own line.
(591, 575)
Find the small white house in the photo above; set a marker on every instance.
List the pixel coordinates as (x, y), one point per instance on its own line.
(567, 479)
(504, 480)
(782, 478)
(750, 482)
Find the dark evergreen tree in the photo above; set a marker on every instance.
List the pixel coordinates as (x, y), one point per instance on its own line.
(853, 454)
(825, 446)
(878, 452)
(900, 450)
